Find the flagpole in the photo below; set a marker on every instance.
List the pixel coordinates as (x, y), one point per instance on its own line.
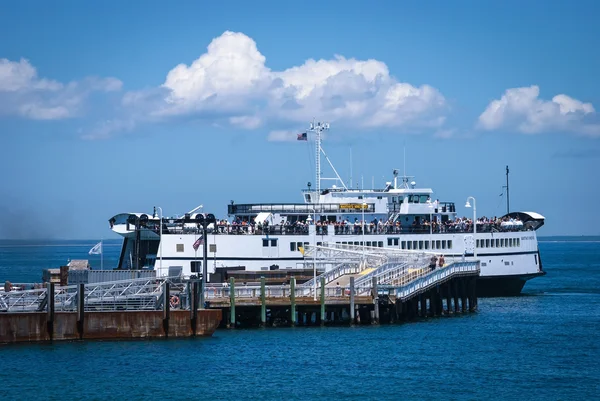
(101, 254)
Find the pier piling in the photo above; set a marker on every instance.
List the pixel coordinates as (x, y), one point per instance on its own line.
(194, 305)
(293, 301)
(323, 313)
(80, 308)
(50, 310)
(263, 303)
(166, 306)
(375, 301)
(352, 306)
(232, 317)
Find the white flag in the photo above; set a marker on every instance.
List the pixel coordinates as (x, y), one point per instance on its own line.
(97, 249)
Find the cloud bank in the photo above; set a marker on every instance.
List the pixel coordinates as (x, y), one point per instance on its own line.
(231, 83)
(24, 94)
(523, 110)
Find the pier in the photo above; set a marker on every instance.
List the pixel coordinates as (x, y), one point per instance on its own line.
(378, 286)
(356, 285)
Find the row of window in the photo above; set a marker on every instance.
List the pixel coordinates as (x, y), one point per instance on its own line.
(498, 243)
(375, 244)
(437, 244)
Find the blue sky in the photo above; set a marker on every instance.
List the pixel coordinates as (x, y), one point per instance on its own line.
(111, 106)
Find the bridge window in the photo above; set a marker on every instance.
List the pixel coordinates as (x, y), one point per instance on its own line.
(265, 242)
(179, 247)
(298, 245)
(380, 243)
(292, 246)
(497, 243)
(426, 244)
(487, 243)
(449, 244)
(444, 244)
(402, 244)
(438, 244)
(273, 242)
(518, 241)
(319, 243)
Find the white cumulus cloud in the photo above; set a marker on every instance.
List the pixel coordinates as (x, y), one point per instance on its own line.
(231, 83)
(24, 94)
(522, 109)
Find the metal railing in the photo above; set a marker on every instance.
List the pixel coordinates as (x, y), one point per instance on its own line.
(135, 294)
(421, 282)
(340, 270)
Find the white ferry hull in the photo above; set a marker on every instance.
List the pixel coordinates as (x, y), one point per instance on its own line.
(504, 269)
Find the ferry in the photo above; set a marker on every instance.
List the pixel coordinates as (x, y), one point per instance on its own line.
(264, 237)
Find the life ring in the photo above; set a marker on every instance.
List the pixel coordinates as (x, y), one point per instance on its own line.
(174, 301)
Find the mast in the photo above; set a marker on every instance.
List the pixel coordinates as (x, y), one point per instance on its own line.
(318, 128)
(507, 194)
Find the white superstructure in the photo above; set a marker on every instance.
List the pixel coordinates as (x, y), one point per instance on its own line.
(272, 236)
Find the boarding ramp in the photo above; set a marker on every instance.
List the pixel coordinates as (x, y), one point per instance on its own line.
(407, 286)
(346, 259)
(404, 272)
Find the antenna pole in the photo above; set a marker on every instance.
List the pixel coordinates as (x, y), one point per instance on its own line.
(318, 160)
(318, 128)
(507, 195)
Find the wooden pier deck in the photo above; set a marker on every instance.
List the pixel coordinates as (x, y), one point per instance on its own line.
(420, 296)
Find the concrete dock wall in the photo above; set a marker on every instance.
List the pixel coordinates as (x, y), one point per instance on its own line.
(36, 326)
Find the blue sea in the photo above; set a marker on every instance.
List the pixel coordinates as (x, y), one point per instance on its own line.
(543, 345)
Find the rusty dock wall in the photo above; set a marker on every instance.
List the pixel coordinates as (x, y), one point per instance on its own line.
(36, 326)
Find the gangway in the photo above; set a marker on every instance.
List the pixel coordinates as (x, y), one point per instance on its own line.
(403, 271)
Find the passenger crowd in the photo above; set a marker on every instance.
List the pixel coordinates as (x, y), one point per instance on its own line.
(346, 227)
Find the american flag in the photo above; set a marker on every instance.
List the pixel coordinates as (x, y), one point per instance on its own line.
(198, 242)
(302, 137)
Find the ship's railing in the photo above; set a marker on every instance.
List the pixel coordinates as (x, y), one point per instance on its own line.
(450, 228)
(300, 208)
(342, 229)
(233, 229)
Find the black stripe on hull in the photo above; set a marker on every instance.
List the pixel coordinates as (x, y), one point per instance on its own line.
(503, 286)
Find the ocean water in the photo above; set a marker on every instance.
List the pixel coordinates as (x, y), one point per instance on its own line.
(543, 345)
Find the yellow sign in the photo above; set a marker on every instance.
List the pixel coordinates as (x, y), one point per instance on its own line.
(353, 206)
